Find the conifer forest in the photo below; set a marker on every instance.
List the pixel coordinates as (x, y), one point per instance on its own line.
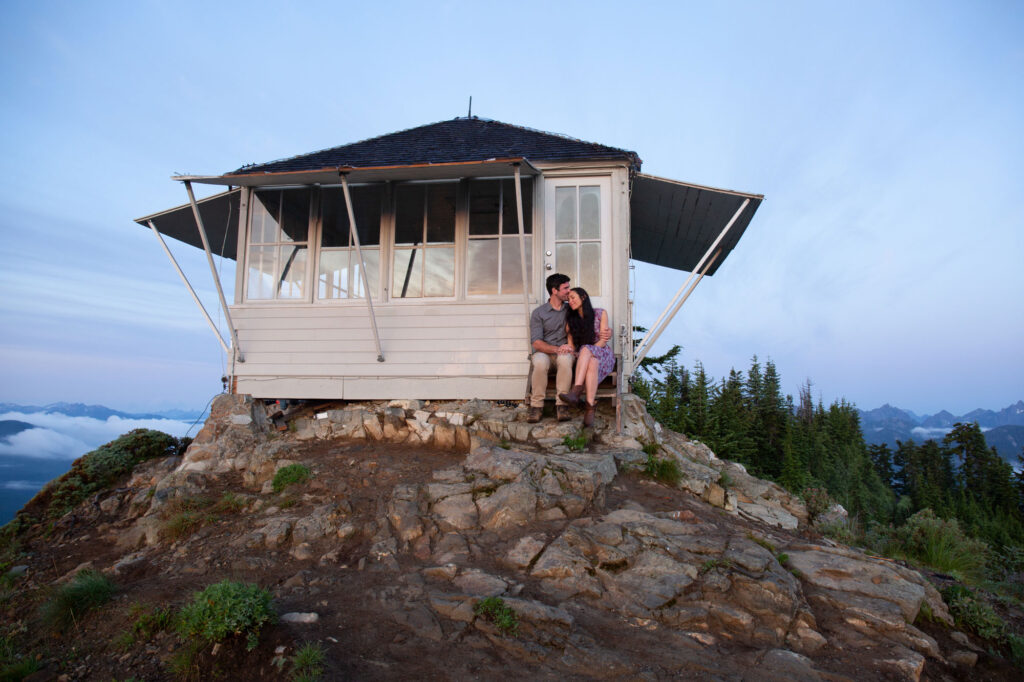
(953, 505)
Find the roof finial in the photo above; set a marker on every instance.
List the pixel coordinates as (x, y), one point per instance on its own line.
(470, 114)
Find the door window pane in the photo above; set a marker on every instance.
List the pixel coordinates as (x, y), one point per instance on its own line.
(590, 212)
(590, 267)
(565, 260)
(565, 213)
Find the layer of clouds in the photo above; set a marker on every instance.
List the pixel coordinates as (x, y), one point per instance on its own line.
(21, 485)
(58, 436)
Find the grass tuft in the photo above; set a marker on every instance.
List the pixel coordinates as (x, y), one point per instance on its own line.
(292, 474)
(308, 663)
(88, 590)
(664, 470)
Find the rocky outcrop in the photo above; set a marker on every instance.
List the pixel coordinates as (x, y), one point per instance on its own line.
(521, 517)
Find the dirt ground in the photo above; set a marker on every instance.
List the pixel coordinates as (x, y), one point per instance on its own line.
(356, 597)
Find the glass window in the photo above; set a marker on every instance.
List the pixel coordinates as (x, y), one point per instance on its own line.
(424, 253)
(277, 259)
(493, 253)
(338, 273)
(578, 235)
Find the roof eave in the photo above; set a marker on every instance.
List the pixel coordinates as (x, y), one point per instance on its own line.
(330, 174)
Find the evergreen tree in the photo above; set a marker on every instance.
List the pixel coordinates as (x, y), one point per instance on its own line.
(881, 458)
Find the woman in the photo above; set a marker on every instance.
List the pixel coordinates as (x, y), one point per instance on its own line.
(595, 359)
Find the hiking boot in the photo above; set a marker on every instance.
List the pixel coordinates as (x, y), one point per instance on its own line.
(573, 396)
(562, 412)
(534, 415)
(588, 416)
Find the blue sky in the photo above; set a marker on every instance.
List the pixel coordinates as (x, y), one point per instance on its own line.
(884, 263)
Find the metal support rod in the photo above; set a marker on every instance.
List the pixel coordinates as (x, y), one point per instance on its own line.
(213, 271)
(522, 257)
(188, 285)
(656, 332)
(362, 264)
(674, 306)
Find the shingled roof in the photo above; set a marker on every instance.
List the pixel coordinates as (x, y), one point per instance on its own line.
(454, 141)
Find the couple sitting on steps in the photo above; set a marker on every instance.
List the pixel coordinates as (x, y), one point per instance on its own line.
(564, 329)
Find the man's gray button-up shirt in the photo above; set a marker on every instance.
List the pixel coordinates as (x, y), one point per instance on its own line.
(548, 325)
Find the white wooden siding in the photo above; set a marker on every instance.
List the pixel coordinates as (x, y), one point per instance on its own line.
(432, 350)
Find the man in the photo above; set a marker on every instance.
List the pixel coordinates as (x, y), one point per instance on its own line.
(550, 344)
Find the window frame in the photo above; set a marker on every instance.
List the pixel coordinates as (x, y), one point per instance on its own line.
(381, 289)
(277, 245)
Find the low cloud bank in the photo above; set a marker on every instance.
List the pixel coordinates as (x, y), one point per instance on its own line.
(58, 436)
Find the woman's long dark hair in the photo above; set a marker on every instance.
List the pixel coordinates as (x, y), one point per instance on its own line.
(582, 326)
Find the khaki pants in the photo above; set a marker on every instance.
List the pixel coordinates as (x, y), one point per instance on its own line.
(541, 364)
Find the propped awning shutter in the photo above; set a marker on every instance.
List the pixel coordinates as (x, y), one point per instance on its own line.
(672, 223)
(220, 218)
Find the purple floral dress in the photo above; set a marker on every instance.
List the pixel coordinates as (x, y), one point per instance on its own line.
(605, 356)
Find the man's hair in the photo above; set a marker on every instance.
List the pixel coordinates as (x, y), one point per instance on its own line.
(554, 281)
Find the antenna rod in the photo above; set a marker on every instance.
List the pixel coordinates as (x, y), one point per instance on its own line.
(470, 114)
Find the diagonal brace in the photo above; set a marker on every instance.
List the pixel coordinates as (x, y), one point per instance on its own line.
(684, 292)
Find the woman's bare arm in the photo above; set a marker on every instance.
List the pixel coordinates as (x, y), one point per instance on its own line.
(603, 337)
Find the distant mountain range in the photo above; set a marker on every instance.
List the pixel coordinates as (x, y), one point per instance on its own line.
(1004, 430)
(98, 411)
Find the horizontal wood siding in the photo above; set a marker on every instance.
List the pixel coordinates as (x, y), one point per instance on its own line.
(384, 388)
(443, 350)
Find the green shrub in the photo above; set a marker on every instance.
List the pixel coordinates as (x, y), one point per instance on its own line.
(664, 470)
(308, 663)
(496, 611)
(940, 544)
(104, 466)
(651, 448)
(846, 531)
(971, 613)
(225, 609)
(68, 603)
(817, 500)
(724, 479)
(1016, 643)
(289, 475)
(576, 443)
